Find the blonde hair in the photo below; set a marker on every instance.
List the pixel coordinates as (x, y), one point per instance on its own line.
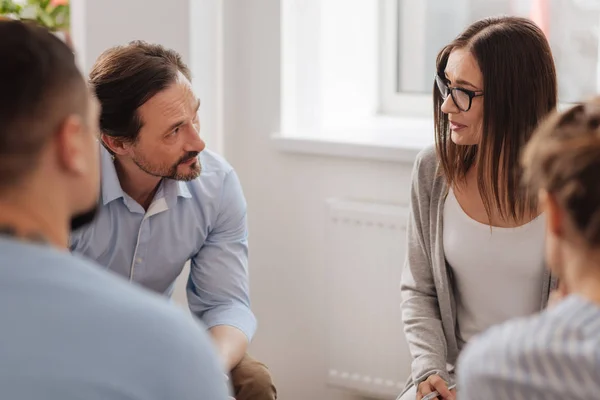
(563, 158)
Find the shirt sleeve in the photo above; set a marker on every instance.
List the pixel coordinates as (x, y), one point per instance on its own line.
(218, 287)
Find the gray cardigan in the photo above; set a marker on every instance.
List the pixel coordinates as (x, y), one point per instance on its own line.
(428, 301)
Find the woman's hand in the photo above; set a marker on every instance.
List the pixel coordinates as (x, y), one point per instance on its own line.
(435, 383)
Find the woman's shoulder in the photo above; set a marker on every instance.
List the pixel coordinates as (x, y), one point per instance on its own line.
(427, 168)
(427, 159)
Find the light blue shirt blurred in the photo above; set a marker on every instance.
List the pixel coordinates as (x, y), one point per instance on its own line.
(71, 331)
(203, 220)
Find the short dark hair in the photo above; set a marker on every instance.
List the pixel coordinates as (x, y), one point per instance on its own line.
(563, 158)
(520, 85)
(125, 77)
(40, 85)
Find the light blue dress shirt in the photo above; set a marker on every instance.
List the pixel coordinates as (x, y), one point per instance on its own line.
(203, 220)
(72, 331)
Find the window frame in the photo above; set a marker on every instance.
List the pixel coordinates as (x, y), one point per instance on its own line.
(392, 102)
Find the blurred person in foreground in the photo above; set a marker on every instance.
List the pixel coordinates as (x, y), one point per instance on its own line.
(70, 330)
(555, 355)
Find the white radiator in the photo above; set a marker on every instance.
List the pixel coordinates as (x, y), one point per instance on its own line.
(366, 244)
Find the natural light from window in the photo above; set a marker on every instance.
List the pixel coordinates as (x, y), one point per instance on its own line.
(422, 28)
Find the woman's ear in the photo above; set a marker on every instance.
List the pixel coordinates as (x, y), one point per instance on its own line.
(554, 213)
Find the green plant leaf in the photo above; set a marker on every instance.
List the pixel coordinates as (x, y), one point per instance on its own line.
(9, 7)
(44, 4)
(45, 19)
(61, 16)
(58, 10)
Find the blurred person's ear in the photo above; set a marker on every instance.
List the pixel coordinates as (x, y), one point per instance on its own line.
(72, 145)
(554, 214)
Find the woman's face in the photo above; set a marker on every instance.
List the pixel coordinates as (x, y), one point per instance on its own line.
(462, 72)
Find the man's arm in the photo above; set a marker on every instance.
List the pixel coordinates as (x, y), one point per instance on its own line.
(217, 289)
(231, 344)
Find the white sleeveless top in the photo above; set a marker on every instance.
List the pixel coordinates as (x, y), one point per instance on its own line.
(498, 273)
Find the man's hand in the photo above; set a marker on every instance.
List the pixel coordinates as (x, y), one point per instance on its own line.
(435, 383)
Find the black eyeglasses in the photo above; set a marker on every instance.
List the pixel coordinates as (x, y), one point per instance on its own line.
(461, 97)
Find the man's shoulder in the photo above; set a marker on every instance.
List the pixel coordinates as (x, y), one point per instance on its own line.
(101, 317)
(131, 300)
(82, 284)
(215, 169)
(217, 179)
(214, 163)
(139, 312)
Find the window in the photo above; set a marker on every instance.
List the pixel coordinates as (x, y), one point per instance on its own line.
(414, 32)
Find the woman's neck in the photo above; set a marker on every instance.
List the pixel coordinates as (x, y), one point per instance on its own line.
(470, 197)
(581, 274)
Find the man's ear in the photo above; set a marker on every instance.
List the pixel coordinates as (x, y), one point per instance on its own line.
(116, 145)
(554, 213)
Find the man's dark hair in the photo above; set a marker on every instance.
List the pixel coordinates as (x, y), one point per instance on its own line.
(125, 77)
(40, 85)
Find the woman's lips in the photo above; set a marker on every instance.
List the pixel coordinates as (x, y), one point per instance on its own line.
(455, 126)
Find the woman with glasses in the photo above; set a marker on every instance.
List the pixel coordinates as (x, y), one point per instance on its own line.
(475, 235)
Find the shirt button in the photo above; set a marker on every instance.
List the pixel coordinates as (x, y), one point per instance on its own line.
(139, 259)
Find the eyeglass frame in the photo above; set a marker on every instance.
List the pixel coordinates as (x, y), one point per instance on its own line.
(470, 93)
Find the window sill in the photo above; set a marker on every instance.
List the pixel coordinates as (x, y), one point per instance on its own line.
(382, 139)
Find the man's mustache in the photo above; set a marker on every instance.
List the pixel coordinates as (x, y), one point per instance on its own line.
(188, 156)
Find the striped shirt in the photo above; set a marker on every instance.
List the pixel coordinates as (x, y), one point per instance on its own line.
(555, 355)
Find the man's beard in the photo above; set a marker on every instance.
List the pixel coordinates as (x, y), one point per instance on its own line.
(170, 171)
(84, 219)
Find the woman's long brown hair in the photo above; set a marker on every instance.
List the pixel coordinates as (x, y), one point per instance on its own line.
(520, 89)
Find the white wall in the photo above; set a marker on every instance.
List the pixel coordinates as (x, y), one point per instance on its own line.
(188, 26)
(286, 200)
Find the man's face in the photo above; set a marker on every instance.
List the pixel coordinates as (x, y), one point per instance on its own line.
(168, 143)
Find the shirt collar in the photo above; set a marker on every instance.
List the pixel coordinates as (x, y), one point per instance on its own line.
(111, 187)
(183, 190)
